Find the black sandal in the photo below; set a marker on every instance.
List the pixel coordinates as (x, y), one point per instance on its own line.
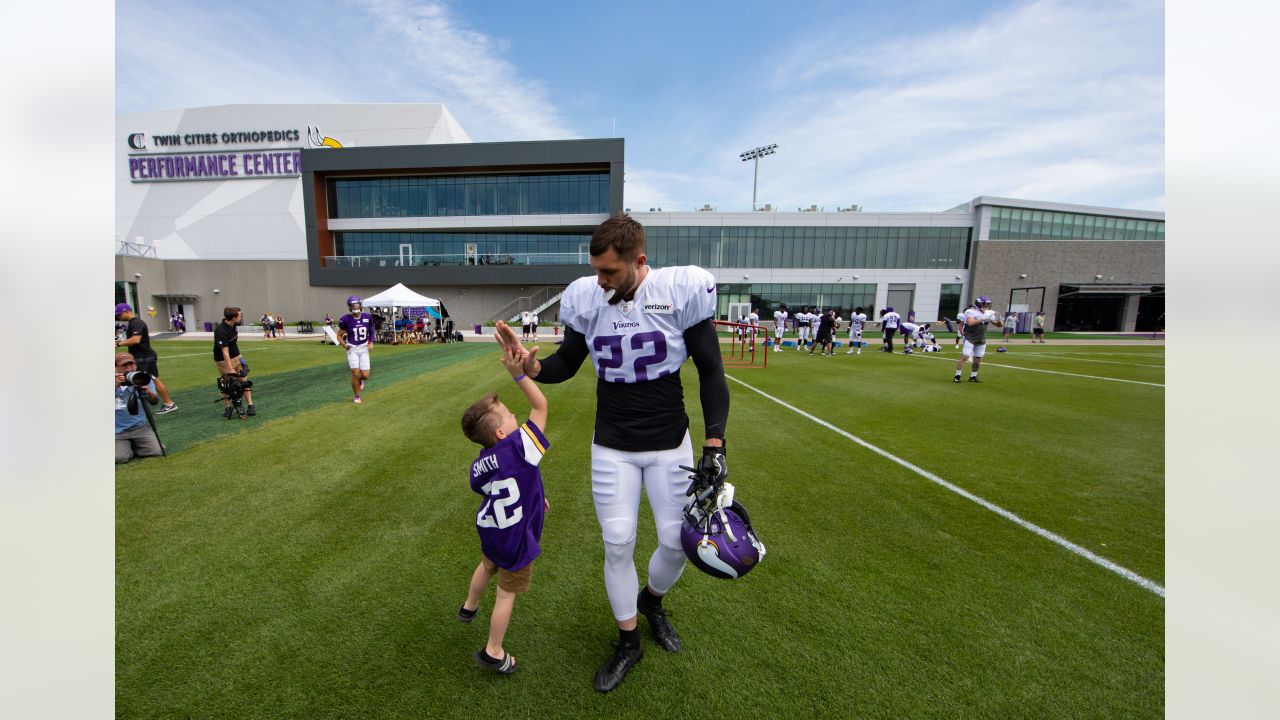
(506, 666)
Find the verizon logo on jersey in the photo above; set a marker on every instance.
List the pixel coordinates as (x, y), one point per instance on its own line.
(659, 307)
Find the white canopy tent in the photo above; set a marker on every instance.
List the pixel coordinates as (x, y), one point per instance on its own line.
(398, 296)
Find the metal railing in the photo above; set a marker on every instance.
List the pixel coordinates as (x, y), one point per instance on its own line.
(536, 302)
(456, 259)
(124, 247)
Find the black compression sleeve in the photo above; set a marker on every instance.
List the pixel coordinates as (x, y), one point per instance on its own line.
(564, 363)
(713, 390)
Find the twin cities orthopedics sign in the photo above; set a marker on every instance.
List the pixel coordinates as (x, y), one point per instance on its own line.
(260, 165)
(213, 165)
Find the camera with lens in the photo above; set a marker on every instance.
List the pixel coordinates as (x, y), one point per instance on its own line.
(137, 378)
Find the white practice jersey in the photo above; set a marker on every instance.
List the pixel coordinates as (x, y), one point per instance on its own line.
(643, 339)
(856, 321)
(753, 318)
(780, 319)
(908, 329)
(890, 320)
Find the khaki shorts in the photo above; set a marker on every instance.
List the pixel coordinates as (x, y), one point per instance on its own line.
(231, 368)
(512, 582)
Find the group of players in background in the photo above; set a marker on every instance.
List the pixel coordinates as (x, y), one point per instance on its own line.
(816, 330)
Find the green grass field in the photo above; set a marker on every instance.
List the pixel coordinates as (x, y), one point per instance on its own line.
(318, 574)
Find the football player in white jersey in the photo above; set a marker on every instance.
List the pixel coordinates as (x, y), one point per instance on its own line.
(638, 324)
(856, 321)
(908, 332)
(803, 318)
(889, 323)
(779, 326)
(976, 319)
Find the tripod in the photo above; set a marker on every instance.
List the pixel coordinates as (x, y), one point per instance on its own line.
(140, 399)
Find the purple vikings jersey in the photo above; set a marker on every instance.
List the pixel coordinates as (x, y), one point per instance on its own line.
(506, 475)
(359, 328)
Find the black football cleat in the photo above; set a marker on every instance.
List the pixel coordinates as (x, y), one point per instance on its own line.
(663, 633)
(226, 412)
(955, 379)
(974, 378)
(611, 674)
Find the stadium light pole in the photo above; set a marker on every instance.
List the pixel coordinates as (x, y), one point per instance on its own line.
(754, 155)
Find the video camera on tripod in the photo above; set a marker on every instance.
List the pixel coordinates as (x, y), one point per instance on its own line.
(233, 385)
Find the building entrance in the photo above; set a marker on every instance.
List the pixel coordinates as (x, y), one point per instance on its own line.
(1092, 311)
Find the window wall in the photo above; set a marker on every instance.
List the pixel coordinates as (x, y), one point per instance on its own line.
(767, 297)
(1022, 224)
(469, 195)
(810, 247)
(451, 248)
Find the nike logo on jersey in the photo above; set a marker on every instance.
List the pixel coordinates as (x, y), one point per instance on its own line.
(711, 289)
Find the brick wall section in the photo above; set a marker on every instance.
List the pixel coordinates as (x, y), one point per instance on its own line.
(996, 265)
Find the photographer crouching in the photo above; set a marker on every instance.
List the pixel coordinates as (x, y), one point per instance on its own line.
(232, 369)
(135, 389)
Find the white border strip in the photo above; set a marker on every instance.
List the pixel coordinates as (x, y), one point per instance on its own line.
(1037, 354)
(1051, 372)
(1082, 552)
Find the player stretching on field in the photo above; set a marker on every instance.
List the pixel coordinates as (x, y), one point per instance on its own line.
(637, 325)
(355, 333)
(974, 330)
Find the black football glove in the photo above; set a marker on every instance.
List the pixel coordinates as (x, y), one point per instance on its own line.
(712, 466)
(708, 477)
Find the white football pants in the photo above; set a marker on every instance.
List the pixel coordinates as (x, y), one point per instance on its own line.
(616, 478)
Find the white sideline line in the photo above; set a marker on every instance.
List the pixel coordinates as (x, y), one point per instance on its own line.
(1057, 539)
(1051, 372)
(1084, 359)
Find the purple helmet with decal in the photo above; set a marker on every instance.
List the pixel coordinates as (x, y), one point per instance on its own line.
(353, 302)
(983, 300)
(721, 543)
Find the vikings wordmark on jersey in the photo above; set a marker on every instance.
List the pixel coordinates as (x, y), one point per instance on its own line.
(641, 339)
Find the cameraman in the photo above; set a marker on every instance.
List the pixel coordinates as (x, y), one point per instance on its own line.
(138, 340)
(134, 437)
(226, 353)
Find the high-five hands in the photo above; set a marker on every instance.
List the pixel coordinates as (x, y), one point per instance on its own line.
(510, 343)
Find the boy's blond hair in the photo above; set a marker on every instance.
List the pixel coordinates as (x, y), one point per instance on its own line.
(481, 420)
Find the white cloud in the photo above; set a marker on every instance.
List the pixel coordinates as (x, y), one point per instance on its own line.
(1049, 100)
(175, 55)
(436, 53)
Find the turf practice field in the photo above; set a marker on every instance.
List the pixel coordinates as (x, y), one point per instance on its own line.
(990, 550)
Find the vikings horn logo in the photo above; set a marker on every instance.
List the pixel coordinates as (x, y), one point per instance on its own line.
(317, 139)
(710, 554)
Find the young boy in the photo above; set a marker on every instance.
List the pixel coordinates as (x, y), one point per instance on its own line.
(510, 519)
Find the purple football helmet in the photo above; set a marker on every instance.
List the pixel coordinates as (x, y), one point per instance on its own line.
(353, 303)
(984, 300)
(721, 543)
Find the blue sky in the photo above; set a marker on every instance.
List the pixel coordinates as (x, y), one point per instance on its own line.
(890, 105)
